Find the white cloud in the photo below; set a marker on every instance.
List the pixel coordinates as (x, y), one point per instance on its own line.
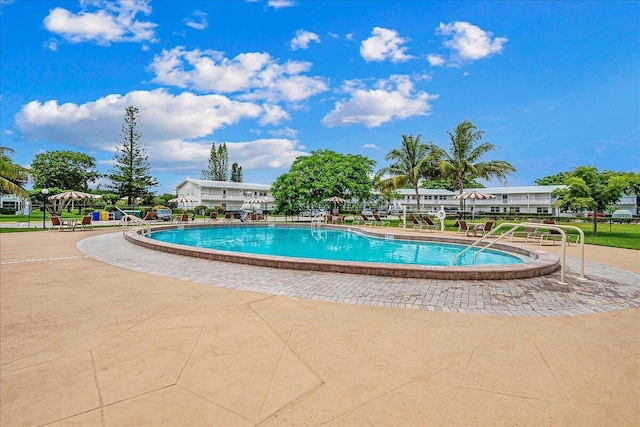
(273, 114)
(303, 38)
(286, 132)
(390, 99)
(435, 60)
(278, 4)
(197, 20)
(96, 125)
(371, 146)
(109, 22)
(469, 42)
(169, 126)
(253, 75)
(384, 44)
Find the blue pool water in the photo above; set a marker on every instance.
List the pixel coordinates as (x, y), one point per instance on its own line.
(339, 245)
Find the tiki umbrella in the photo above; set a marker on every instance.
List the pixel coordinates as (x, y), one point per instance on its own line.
(335, 200)
(255, 201)
(69, 196)
(183, 199)
(473, 195)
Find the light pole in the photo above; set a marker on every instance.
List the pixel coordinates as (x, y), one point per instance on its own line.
(44, 193)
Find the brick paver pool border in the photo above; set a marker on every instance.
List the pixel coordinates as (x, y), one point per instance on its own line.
(606, 288)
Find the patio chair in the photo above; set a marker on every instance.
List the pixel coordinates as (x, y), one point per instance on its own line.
(463, 227)
(428, 223)
(57, 222)
(253, 217)
(228, 216)
(417, 224)
(182, 218)
(86, 222)
(550, 235)
(366, 220)
(379, 221)
(213, 216)
(329, 219)
(483, 229)
(338, 219)
(150, 216)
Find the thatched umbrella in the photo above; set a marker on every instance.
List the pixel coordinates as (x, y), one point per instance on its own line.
(474, 195)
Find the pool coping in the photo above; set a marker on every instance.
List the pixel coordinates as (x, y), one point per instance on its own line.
(542, 262)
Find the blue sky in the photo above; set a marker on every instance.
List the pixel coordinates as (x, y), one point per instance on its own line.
(554, 84)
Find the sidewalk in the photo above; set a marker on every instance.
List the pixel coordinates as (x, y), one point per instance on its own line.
(87, 343)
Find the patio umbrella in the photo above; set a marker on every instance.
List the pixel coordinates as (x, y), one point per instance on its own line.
(473, 195)
(69, 196)
(335, 200)
(182, 199)
(255, 201)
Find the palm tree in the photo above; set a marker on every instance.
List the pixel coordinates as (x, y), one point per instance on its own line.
(463, 161)
(12, 176)
(411, 163)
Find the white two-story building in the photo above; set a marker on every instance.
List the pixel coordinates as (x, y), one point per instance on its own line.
(535, 199)
(231, 195)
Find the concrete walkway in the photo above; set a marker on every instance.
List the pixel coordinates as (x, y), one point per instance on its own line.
(89, 343)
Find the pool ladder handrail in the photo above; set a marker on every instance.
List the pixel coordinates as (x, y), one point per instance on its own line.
(515, 227)
(127, 219)
(317, 220)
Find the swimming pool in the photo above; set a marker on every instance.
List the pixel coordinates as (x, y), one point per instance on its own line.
(534, 262)
(329, 244)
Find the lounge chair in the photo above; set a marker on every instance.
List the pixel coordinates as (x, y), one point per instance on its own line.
(253, 217)
(213, 216)
(379, 221)
(86, 222)
(366, 220)
(526, 231)
(550, 235)
(150, 216)
(228, 216)
(338, 219)
(417, 224)
(428, 223)
(329, 219)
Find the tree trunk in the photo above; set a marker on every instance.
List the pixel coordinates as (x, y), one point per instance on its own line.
(415, 188)
(595, 223)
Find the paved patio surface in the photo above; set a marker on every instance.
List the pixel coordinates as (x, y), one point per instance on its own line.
(85, 342)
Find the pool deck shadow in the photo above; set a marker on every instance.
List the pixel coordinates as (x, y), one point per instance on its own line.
(85, 342)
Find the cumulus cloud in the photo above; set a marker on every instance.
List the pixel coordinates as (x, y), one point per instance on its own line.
(104, 22)
(435, 60)
(303, 38)
(253, 75)
(384, 44)
(469, 42)
(197, 20)
(278, 4)
(391, 99)
(173, 127)
(96, 125)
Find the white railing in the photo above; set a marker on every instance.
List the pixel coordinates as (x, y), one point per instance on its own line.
(533, 225)
(128, 220)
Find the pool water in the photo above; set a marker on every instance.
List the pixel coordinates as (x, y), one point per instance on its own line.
(328, 244)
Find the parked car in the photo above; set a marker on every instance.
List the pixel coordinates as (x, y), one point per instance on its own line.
(164, 215)
(590, 214)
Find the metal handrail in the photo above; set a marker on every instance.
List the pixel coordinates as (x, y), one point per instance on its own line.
(536, 225)
(127, 218)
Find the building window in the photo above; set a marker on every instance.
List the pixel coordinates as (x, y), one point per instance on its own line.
(427, 197)
(442, 197)
(514, 209)
(542, 210)
(495, 209)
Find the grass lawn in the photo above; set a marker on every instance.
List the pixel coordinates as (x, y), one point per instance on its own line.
(621, 235)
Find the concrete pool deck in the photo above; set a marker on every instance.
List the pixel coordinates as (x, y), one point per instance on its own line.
(84, 342)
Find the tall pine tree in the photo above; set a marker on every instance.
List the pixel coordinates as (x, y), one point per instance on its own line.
(130, 176)
(236, 173)
(218, 163)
